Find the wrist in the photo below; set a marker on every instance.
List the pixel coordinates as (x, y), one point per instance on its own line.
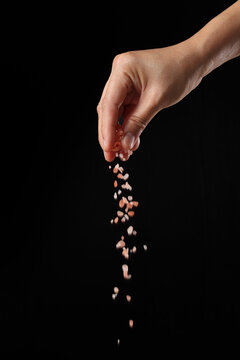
(194, 63)
(218, 41)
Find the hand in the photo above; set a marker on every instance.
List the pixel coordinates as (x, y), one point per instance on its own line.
(141, 84)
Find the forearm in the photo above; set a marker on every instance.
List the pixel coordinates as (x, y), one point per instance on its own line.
(219, 40)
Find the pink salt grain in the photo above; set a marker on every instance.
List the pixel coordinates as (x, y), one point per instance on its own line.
(130, 230)
(131, 323)
(125, 272)
(116, 290)
(120, 213)
(116, 220)
(125, 253)
(121, 203)
(115, 183)
(135, 203)
(131, 213)
(125, 201)
(134, 249)
(129, 298)
(129, 206)
(120, 244)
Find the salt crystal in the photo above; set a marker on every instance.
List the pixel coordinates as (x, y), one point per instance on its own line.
(125, 272)
(120, 176)
(124, 199)
(134, 249)
(125, 253)
(129, 298)
(120, 244)
(116, 290)
(119, 213)
(130, 230)
(131, 213)
(135, 203)
(121, 203)
(125, 267)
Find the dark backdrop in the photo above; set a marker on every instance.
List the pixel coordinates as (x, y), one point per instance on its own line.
(58, 259)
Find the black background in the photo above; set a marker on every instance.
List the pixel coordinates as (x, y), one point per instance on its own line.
(58, 262)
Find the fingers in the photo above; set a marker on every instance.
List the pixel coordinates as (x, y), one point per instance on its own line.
(109, 107)
(109, 155)
(124, 95)
(138, 118)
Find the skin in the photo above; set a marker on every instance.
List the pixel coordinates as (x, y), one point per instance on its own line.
(144, 82)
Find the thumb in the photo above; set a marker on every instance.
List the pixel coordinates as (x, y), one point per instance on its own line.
(137, 119)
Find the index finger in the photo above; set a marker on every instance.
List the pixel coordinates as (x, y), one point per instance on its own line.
(115, 93)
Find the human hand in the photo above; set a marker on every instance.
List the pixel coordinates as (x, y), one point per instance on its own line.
(141, 84)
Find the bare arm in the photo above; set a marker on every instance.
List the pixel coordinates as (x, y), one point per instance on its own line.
(219, 40)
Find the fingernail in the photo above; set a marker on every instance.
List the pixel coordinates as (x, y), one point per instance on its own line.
(128, 141)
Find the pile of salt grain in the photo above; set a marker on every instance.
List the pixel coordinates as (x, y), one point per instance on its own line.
(126, 211)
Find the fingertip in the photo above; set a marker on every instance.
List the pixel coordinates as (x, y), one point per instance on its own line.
(136, 144)
(107, 144)
(109, 155)
(128, 141)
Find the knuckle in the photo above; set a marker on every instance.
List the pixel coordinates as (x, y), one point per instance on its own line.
(98, 108)
(139, 121)
(123, 59)
(155, 98)
(104, 103)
